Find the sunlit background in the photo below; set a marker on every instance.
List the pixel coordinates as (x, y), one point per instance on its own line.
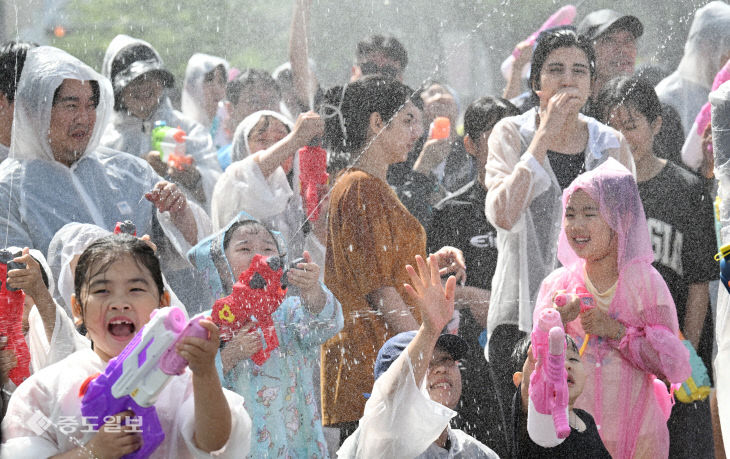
(461, 42)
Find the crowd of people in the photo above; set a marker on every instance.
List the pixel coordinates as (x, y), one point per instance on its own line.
(393, 282)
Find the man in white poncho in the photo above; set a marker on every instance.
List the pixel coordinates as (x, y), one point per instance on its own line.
(56, 173)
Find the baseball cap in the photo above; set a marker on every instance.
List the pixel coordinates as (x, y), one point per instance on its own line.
(137, 60)
(453, 344)
(598, 22)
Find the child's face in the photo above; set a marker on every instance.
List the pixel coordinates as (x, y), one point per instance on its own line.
(574, 367)
(142, 96)
(588, 234)
(117, 303)
(266, 133)
(576, 373)
(247, 242)
(444, 379)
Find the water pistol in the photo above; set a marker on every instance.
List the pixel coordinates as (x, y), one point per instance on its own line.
(547, 417)
(170, 142)
(440, 128)
(722, 257)
(587, 303)
(11, 318)
(133, 379)
(256, 295)
(564, 16)
(697, 386)
(125, 227)
(314, 177)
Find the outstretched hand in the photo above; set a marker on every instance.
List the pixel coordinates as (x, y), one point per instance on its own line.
(434, 301)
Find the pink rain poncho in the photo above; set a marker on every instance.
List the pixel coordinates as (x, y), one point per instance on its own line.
(619, 388)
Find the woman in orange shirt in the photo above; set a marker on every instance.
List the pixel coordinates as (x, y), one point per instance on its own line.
(371, 237)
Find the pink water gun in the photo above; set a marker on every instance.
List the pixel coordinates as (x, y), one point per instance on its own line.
(586, 303)
(547, 417)
(564, 16)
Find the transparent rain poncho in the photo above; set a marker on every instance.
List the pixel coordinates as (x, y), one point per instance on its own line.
(243, 187)
(102, 187)
(132, 135)
(705, 52)
(192, 100)
(527, 251)
(619, 389)
(720, 100)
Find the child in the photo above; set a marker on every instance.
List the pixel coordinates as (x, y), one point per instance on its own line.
(279, 394)
(118, 283)
(583, 440)
(604, 245)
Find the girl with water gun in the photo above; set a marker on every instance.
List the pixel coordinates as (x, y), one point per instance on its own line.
(604, 245)
(118, 285)
(268, 357)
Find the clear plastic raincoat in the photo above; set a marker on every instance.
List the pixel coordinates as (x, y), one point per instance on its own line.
(705, 52)
(132, 135)
(192, 96)
(527, 250)
(102, 187)
(243, 187)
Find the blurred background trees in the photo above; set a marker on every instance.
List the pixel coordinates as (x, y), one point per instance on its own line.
(461, 42)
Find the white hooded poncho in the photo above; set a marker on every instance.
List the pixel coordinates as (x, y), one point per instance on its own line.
(132, 135)
(705, 52)
(192, 95)
(102, 187)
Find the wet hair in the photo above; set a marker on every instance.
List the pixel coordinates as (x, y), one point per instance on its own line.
(552, 39)
(635, 92)
(388, 45)
(251, 77)
(12, 60)
(356, 102)
(219, 69)
(104, 252)
(482, 114)
(229, 234)
(95, 92)
(519, 354)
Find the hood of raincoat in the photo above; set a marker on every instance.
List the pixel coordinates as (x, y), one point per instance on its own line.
(240, 148)
(708, 43)
(209, 257)
(69, 241)
(192, 96)
(127, 58)
(44, 71)
(613, 187)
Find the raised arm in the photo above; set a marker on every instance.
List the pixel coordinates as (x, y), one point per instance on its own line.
(308, 126)
(299, 53)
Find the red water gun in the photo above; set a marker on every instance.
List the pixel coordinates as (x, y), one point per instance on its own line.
(11, 318)
(256, 295)
(313, 175)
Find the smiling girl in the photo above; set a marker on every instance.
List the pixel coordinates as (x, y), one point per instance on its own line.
(604, 245)
(118, 283)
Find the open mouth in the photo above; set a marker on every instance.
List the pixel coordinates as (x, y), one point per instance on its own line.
(120, 327)
(571, 382)
(442, 385)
